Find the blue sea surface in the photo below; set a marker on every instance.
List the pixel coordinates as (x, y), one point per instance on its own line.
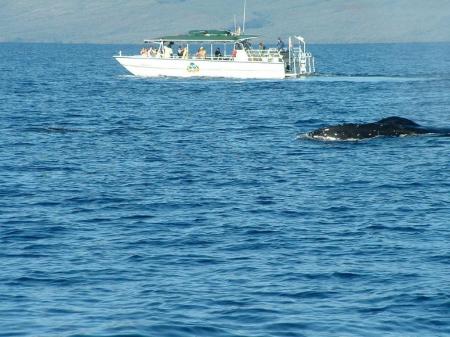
(192, 208)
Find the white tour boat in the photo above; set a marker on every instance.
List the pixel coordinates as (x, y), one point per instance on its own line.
(227, 54)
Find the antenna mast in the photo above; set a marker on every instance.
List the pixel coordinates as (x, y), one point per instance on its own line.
(243, 23)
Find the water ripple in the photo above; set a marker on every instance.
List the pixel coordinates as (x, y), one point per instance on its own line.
(170, 207)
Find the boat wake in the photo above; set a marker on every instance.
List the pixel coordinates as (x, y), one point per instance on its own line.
(366, 78)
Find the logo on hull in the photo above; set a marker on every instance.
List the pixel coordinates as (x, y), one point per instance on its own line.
(193, 68)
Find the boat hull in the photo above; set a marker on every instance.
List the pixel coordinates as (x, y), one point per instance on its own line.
(154, 67)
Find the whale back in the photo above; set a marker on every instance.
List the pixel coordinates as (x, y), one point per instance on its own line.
(390, 126)
(345, 131)
(398, 121)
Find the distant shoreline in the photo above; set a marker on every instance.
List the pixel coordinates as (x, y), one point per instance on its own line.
(138, 44)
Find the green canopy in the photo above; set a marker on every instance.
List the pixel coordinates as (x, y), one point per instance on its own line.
(204, 36)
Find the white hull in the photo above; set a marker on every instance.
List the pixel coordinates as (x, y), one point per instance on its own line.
(228, 68)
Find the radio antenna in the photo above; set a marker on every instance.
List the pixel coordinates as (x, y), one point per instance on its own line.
(243, 23)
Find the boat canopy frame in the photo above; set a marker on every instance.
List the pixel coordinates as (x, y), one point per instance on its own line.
(204, 36)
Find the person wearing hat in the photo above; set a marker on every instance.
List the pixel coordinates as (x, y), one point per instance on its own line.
(201, 54)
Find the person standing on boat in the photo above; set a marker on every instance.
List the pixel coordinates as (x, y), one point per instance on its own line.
(218, 53)
(201, 54)
(180, 52)
(262, 46)
(185, 52)
(280, 44)
(152, 52)
(168, 51)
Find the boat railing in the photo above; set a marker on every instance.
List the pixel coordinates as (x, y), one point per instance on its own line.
(269, 55)
(299, 62)
(260, 55)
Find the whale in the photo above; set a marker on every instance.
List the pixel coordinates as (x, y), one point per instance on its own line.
(389, 127)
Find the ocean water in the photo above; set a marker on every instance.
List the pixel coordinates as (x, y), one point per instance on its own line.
(173, 207)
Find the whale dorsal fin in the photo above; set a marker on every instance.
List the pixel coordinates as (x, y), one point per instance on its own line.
(394, 120)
